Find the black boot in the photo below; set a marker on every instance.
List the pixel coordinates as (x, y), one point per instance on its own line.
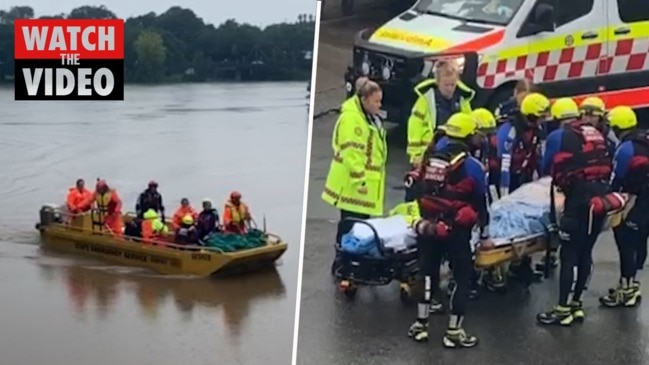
(558, 315)
(458, 338)
(418, 331)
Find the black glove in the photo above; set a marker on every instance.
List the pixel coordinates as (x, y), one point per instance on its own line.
(410, 178)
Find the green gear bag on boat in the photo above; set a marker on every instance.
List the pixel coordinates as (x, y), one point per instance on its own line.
(232, 242)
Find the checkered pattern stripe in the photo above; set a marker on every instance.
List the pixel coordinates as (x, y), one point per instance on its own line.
(629, 55)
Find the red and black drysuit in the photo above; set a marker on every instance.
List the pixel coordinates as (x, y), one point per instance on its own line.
(631, 175)
(452, 201)
(577, 159)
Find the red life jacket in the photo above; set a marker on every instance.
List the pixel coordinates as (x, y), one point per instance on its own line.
(526, 151)
(447, 192)
(637, 176)
(586, 161)
(492, 157)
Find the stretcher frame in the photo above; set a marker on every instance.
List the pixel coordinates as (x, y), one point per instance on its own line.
(508, 250)
(353, 270)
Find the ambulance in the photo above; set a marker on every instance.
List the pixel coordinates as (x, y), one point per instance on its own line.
(571, 48)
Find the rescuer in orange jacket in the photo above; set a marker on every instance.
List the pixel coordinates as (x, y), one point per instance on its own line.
(184, 209)
(109, 205)
(152, 227)
(236, 215)
(78, 197)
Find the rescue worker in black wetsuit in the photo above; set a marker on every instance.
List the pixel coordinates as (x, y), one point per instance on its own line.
(577, 159)
(593, 111)
(520, 141)
(519, 152)
(150, 199)
(411, 180)
(489, 152)
(208, 220)
(476, 146)
(493, 278)
(453, 200)
(630, 175)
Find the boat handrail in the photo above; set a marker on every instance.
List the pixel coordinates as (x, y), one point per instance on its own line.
(272, 238)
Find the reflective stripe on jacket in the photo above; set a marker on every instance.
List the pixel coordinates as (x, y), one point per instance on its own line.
(423, 118)
(360, 153)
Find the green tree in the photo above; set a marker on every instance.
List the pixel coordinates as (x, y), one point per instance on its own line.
(91, 12)
(151, 56)
(191, 49)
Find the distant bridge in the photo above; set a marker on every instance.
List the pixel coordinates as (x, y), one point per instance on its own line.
(257, 60)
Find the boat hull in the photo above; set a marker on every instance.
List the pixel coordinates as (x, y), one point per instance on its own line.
(76, 238)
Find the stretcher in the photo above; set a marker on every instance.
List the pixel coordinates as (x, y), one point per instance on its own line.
(508, 249)
(389, 252)
(521, 224)
(377, 252)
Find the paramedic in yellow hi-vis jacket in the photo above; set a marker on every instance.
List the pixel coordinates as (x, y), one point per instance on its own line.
(356, 181)
(437, 100)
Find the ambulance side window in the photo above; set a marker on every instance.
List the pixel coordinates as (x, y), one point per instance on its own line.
(567, 11)
(632, 11)
(561, 13)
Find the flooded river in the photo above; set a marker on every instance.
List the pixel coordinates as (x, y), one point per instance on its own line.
(197, 141)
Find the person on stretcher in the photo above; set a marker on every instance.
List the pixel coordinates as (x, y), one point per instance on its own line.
(453, 200)
(577, 159)
(630, 175)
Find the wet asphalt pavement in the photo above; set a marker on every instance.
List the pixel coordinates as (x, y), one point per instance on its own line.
(372, 328)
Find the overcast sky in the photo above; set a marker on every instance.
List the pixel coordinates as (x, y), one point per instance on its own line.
(257, 12)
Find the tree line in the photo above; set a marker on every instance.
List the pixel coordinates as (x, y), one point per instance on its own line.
(178, 46)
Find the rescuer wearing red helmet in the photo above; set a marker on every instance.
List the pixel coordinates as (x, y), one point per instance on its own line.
(150, 199)
(109, 208)
(236, 215)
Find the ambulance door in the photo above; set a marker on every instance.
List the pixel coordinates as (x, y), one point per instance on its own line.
(627, 65)
(566, 42)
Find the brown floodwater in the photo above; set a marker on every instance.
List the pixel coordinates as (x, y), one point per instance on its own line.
(197, 141)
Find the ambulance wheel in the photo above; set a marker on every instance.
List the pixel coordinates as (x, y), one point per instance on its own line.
(348, 289)
(405, 293)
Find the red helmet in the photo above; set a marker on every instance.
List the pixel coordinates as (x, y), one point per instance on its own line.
(101, 183)
(235, 195)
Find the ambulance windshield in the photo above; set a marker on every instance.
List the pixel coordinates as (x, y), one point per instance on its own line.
(481, 11)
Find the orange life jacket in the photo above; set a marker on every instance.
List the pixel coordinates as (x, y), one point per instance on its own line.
(235, 214)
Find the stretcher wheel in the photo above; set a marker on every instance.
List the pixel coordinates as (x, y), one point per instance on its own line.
(405, 293)
(348, 289)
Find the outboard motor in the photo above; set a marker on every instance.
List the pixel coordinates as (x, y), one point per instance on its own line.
(49, 214)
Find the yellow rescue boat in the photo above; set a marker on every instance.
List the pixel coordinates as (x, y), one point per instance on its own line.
(80, 236)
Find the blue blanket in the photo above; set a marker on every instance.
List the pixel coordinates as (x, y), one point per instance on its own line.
(524, 212)
(354, 245)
